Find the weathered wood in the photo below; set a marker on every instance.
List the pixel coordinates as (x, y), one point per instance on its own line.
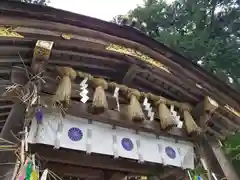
(115, 118)
(130, 74)
(13, 125)
(219, 135)
(189, 75)
(64, 170)
(95, 161)
(226, 119)
(203, 111)
(225, 164)
(170, 172)
(117, 176)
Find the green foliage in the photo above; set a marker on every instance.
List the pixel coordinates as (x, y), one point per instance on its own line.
(208, 31)
(232, 150)
(40, 2)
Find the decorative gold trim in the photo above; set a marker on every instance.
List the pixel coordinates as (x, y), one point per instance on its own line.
(138, 54)
(232, 110)
(67, 36)
(42, 50)
(9, 32)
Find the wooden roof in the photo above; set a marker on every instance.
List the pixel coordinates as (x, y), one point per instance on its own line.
(86, 51)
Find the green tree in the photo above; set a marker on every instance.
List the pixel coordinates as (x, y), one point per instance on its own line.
(208, 31)
(40, 2)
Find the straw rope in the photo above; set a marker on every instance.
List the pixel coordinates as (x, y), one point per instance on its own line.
(135, 112)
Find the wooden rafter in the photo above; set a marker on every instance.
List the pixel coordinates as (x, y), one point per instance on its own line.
(94, 160)
(204, 110)
(64, 170)
(130, 74)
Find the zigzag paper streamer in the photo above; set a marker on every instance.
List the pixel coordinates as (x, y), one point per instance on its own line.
(84, 91)
(148, 108)
(176, 117)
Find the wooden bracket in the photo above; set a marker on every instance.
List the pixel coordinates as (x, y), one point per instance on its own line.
(42, 52)
(130, 74)
(203, 111)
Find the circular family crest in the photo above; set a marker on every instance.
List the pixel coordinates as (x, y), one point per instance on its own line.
(127, 144)
(170, 152)
(75, 134)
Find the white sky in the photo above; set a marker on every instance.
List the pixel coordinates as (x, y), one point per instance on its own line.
(101, 9)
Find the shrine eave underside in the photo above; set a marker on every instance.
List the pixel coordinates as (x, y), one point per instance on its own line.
(91, 45)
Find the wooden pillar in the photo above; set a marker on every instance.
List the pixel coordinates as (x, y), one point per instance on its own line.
(223, 161)
(12, 125)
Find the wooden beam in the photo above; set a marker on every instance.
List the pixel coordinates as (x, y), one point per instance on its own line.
(12, 126)
(41, 55)
(219, 135)
(233, 124)
(115, 118)
(223, 161)
(4, 114)
(117, 176)
(63, 170)
(170, 172)
(203, 111)
(130, 74)
(79, 158)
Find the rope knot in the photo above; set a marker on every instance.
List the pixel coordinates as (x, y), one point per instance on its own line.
(134, 92)
(185, 107)
(100, 82)
(85, 75)
(67, 71)
(161, 100)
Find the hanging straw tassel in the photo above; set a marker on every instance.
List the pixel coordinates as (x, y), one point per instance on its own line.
(135, 112)
(165, 116)
(99, 104)
(191, 126)
(63, 93)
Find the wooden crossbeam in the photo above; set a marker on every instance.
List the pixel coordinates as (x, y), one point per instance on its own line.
(41, 54)
(115, 118)
(13, 124)
(203, 111)
(79, 158)
(117, 176)
(63, 170)
(170, 172)
(130, 74)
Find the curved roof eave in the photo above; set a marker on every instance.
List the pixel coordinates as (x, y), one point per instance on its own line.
(51, 14)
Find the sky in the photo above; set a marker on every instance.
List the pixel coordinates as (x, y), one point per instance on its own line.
(101, 9)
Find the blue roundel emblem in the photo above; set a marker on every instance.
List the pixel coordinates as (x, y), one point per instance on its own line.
(170, 152)
(75, 134)
(127, 144)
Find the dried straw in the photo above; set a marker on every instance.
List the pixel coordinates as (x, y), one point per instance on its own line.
(99, 104)
(63, 93)
(135, 112)
(165, 116)
(191, 126)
